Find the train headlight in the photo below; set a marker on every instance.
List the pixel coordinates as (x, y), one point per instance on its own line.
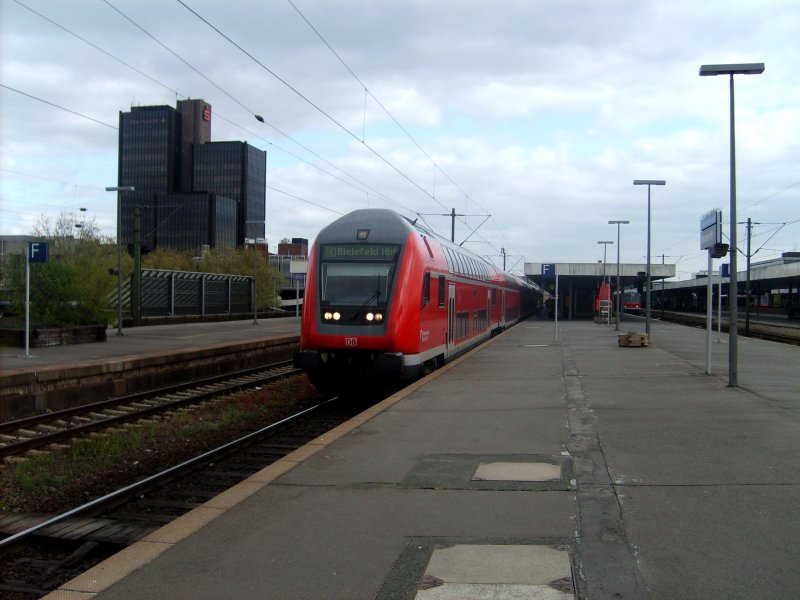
(370, 316)
(336, 316)
(327, 316)
(378, 317)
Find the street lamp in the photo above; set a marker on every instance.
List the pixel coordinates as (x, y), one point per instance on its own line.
(605, 247)
(118, 189)
(733, 285)
(619, 290)
(255, 265)
(602, 289)
(648, 183)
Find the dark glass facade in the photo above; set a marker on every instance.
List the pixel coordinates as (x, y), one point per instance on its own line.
(148, 160)
(191, 192)
(239, 171)
(255, 207)
(193, 220)
(195, 129)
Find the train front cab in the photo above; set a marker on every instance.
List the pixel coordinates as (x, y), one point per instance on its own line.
(361, 319)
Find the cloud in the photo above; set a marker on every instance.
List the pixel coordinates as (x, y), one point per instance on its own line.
(540, 114)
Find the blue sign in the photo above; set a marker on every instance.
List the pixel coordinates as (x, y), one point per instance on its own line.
(37, 252)
(549, 270)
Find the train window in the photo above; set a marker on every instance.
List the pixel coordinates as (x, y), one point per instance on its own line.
(441, 291)
(356, 284)
(426, 289)
(462, 325)
(449, 258)
(481, 320)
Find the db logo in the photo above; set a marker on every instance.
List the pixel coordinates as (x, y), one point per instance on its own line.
(351, 342)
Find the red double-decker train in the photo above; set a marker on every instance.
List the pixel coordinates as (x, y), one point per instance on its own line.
(387, 300)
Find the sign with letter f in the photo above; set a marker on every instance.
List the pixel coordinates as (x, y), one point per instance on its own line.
(37, 252)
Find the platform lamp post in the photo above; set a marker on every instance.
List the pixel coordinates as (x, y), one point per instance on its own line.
(119, 190)
(255, 266)
(733, 325)
(619, 290)
(605, 247)
(648, 183)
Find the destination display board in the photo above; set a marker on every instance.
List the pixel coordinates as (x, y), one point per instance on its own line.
(711, 229)
(355, 252)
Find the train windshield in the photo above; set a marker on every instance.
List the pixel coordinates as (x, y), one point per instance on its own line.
(365, 284)
(357, 278)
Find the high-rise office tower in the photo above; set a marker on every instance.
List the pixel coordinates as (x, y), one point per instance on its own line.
(236, 170)
(190, 192)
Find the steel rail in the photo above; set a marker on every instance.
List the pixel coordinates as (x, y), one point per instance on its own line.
(119, 495)
(762, 331)
(15, 448)
(34, 420)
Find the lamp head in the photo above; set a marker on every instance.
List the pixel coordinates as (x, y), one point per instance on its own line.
(737, 69)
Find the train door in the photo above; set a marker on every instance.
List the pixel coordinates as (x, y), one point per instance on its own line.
(502, 308)
(451, 315)
(489, 308)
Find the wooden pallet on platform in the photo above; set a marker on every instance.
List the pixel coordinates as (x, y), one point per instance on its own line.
(633, 339)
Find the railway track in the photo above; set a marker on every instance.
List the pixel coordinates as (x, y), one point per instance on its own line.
(37, 432)
(50, 551)
(785, 334)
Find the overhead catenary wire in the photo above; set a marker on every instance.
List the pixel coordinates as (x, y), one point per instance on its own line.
(309, 101)
(98, 48)
(362, 186)
(58, 106)
(392, 117)
(179, 57)
(307, 201)
(316, 107)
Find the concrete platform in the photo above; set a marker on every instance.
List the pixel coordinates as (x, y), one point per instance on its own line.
(145, 341)
(528, 469)
(142, 359)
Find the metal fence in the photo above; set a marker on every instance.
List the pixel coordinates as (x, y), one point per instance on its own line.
(172, 293)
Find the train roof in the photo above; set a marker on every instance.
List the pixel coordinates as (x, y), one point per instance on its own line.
(383, 226)
(387, 226)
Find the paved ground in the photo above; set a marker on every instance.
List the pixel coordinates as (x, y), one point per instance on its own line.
(137, 341)
(526, 464)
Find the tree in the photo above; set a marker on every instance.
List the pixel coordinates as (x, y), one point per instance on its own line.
(224, 260)
(74, 286)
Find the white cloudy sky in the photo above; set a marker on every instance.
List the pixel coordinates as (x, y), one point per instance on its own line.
(539, 113)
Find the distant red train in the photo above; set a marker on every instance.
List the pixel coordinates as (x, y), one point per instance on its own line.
(387, 300)
(631, 300)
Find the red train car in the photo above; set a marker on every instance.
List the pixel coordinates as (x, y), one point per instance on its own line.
(387, 300)
(631, 300)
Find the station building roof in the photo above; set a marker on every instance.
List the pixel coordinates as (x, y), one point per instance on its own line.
(592, 272)
(783, 272)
